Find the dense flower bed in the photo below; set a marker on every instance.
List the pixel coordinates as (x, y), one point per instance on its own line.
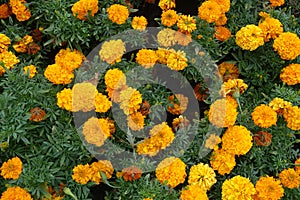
(95, 104)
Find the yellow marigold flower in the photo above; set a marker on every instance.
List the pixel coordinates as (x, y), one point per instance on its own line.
(292, 116)
(64, 99)
(183, 38)
(112, 51)
(275, 3)
(166, 4)
(250, 37)
(163, 55)
(82, 8)
(84, 95)
(193, 192)
(222, 161)
(179, 105)
(297, 165)
(210, 11)
(221, 21)
(222, 113)
(213, 141)
(177, 60)
(290, 178)
(136, 121)
(291, 74)
(58, 75)
(224, 4)
(5, 11)
(68, 59)
(166, 37)
(32, 71)
(114, 78)
(161, 136)
(279, 105)
(16, 193)
(228, 70)
(268, 188)
(271, 28)
(287, 45)
(20, 10)
(169, 18)
(237, 187)
(102, 103)
(118, 13)
(9, 59)
(264, 116)
(12, 168)
(172, 170)
(146, 57)
(233, 87)
(139, 23)
(130, 99)
(4, 42)
(202, 175)
(82, 173)
(237, 140)
(222, 33)
(104, 166)
(186, 23)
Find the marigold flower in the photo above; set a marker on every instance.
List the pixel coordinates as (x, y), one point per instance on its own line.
(84, 96)
(20, 10)
(179, 122)
(130, 100)
(297, 165)
(169, 18)
(172, 170)
(224, 4)
(291, 74)
(262, 138)
(166, 4)
(82, 173)
(136, 121)
(118, 13)
(186, 23)
(161, 136)
(104, 166)
(210, 11)
(275, 3)
(82, 8)
(177, 60)
(213, 141)
(112, 51)
(146, 57)
(222, 33)
(163, 55)
(271, 28)
(102, 103)
(166, 37)
(183, 38)
(237, 187)
(222, 161)
(68, 59)
(15, 193)
(200, 92)
(222, 113)
(5, 11)
(4, 42)
(264, 116)
(292, 115)
(58, 75)
(221, 21)
(279, 105)
(250, 37)
(144, 108)
(139, 23)
(179, 105)
(12, 168)
(228, 71)
(114, 79)
(290, 178)
(131, 173)
(268, 188)
(237, 140)
(9, 59)
(233, 87)
(287, 45)
(32, 71)
(202, 175)
(64, 99)
(37, 114)
(193, 192)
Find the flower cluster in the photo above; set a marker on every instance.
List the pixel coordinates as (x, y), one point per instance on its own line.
(12, 168)
(118, 13)
(250, 37)
(271, 28)
(139, 23)
(82, 8)
(212, 10)
(264, 116)
(18, 7)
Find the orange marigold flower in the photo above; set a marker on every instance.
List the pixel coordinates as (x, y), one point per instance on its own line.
(222, 161)
(104, 166)
(166, 37)
(268, 188)
(30, 70)
(210, 11)
(84, 7)
(250, 37)
(186, 23)
(37, 114)
(16, 193)
(233, 87)
(4, 42)
(297, 165)
(200, 92)
(172, 170)
(271, 28)
(20, 10)
(12, 168)
(177, 60)
(163, 55)
(193, 192)
(84, 95)
(291, 74)
(146, 57)
(264, 116)
(222, 33)
(68, 59)
(224, 4)
(279, 105)
(112, 51)
(139, 23)
(290, 178)
(5, 11)
(262, 138)
(178, 105)
(64, 99)
(130, 100)
(169, 18)
(202, 175)
(131, 173)
(114, 79)
(144, 108)
(166, 4)
(292, 115)
(58, 75)
(222, 113)
(136, 121)
(102, 103)
(237, 187)
(118, 13)
(287, 45)
(228, 70)
(237, 140)
(275, 3)
(82, 174)
(212, 141)
(179, 122)
(221, 21)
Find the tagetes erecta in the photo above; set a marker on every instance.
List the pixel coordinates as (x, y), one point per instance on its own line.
(12, 168)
